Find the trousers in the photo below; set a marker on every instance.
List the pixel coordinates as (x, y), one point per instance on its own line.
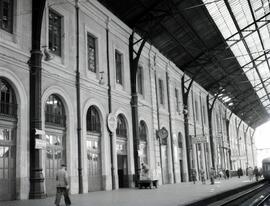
(62, 191)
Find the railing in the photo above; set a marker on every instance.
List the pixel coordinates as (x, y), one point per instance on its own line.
(8, 109)
(58, 120)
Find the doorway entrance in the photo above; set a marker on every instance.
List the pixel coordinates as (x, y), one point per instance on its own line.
(122, 171)
(8, 124)
(55, 128)
(7, 164)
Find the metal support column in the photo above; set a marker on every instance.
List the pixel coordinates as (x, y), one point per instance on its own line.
(185, 92)
(78, 93)
(36, 174)
(134, 100)
(209, 113)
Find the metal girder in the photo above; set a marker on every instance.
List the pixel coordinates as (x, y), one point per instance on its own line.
(244, 42)
(245, 65)
(259, 33)
(231, 38)
(245, 29)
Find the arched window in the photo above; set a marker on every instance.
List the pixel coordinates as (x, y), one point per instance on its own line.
(142, 131)
(180, 141)
(54, 111)
(92, 120)
(8, 104)
(121, 130)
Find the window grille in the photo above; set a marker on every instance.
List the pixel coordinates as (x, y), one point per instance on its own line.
(8, 106)
(55, 32)
(6, 15)
(121, 130)
(161, 91)
(93, 121)
(118, 67)
(180, 141)
(91, 46)
(54, 111)
(142, 131)
(177, 100)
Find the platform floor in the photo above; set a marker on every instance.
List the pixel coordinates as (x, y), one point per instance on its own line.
(165, 195)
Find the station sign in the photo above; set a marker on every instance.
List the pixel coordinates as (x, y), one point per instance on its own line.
(40, 144)
(112, 122)
(162, 133)
(199, 139)
(39, 132)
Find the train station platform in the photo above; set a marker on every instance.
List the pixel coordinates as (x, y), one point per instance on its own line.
(164, 195)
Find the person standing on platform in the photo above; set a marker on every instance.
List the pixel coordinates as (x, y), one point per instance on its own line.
(239, 172)
(227, 173)
(62, 186)
(193, 175)
(250, 173)
(212, 176)
(256, 173)
(202, 176)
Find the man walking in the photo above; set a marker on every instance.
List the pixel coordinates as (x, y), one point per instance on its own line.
(212, 176)
(62, 186)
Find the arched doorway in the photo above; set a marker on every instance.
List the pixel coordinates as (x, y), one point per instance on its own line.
(143, 142)
(121, 147)
(55, 128)
(8, 123)
(93, 137)
(180, 156)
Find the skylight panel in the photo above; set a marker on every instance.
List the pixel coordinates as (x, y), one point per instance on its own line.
(266, 103)
(243, 14)
(264, 70)
(261, 93)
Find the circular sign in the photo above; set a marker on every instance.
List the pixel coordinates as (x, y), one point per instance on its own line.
(112, 122)
(163, 133)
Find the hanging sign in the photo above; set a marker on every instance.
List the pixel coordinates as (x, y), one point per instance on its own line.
(112, 122)
(39, 132)
(199, 139)
(40, 144)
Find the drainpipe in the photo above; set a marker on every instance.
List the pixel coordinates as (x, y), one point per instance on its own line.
(158, 121)
(170, 123)
(209, 113)
(78, 101)
(195, 135)
(245, 139)
(36, 174)
(203, 133)
(110, 103)
(228, 139)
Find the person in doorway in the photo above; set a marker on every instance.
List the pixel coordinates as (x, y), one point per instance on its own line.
(212, 176)
(62, 186)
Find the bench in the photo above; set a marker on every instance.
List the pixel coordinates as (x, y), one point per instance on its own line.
(147, 183)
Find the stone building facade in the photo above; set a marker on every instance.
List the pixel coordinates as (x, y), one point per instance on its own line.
(104, 80)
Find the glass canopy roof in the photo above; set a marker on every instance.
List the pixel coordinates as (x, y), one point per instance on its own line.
(244, 25)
